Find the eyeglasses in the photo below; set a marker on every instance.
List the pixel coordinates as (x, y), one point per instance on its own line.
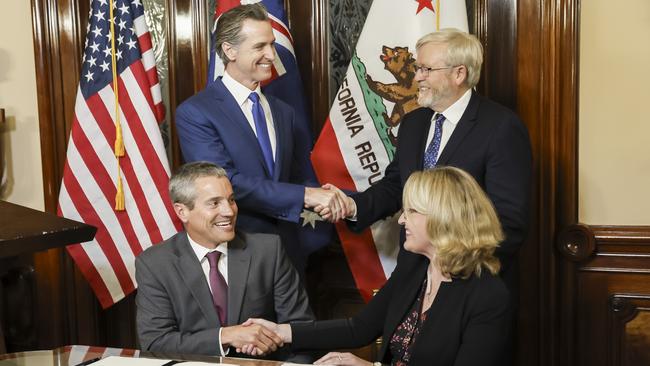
(409, 212)
(427, 70)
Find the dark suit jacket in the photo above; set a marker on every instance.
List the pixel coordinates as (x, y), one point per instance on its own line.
(467, 324)
(212, 127)
(175, 313)
(489, 142)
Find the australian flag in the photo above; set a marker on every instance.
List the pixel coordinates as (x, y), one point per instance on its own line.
(286, 85)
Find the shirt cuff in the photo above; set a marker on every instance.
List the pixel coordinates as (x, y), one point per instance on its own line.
(221, 351)
(353, 217)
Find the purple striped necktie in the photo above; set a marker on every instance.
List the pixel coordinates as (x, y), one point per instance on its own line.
(218, 286)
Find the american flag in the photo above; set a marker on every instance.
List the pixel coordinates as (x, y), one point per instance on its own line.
(78, 354)
(90, 177)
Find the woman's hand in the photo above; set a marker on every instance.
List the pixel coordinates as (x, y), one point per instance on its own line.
(338, 358)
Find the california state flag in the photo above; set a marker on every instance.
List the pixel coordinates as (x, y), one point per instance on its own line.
(358, 139)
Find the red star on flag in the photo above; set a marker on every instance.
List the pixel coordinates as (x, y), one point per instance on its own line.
(424, 4)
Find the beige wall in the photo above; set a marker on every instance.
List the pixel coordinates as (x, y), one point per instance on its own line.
(23, 179)
(614, 164)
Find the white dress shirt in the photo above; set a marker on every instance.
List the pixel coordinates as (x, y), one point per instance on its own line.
(241, 93)
(452, 117)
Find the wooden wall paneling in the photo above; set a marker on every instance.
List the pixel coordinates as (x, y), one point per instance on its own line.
(319, 83)
(57, 55)
(547, 62)
(496, 26)
(611, 294)
(630, 338)
(188, 57)
(309, 26)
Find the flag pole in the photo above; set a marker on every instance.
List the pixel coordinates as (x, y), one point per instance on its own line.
(119, 141)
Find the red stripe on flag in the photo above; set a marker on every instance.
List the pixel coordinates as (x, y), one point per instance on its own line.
(127, 352)
(328, 162)
(359, 249)
(90, 273)
(363, 260)
(281, 28)
(100, 113)
(103, 180)
(145, 42)
(225, 5)
(151, 159)
(160, 112)
(106, 243)
(274, 75)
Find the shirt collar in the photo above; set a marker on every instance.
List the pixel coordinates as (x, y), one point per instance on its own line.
(456, 110)
(238, 90)
(200, 251)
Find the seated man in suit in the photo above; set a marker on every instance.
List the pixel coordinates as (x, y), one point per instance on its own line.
(195, 287)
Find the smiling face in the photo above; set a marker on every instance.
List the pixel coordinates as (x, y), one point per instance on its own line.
(415, 227)
(212, 219)
(438, 89)
(251, 60)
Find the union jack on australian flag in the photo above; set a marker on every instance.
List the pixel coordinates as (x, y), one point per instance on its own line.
(286, 85)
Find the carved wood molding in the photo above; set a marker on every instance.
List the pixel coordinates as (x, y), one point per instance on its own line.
(576, 242)
(622, 309)
(579, 242)
(320, 65)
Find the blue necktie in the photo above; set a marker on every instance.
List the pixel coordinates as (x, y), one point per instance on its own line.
(431, 154)
(262, 131)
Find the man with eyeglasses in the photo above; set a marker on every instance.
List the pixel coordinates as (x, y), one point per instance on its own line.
(455, 127)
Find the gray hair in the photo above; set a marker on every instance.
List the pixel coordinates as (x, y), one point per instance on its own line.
(181, 184)
(462, 49)
(230, 24)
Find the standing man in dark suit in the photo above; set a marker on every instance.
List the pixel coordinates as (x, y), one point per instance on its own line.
(254, 137)
(456, 127)
(194, 288)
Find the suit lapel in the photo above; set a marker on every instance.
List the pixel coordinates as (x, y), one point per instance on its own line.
(398, 309)
(192, 274)
(421, 133)
(466, 123)
(239, 259)
(229, 108)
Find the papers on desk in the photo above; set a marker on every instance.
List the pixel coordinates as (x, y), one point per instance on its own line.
(128, 361)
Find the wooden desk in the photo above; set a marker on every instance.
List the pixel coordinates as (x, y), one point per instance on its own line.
(24, 230)
(73, 355)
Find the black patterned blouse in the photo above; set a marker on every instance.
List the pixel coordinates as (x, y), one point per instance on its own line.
(406, 333)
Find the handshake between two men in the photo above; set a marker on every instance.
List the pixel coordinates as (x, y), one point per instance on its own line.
(330, 203)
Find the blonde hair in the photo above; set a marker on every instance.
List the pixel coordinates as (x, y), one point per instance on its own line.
(462, 224)
(462, 49)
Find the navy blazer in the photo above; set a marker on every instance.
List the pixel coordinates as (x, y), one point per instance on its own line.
(212, 127)
(491, 143)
